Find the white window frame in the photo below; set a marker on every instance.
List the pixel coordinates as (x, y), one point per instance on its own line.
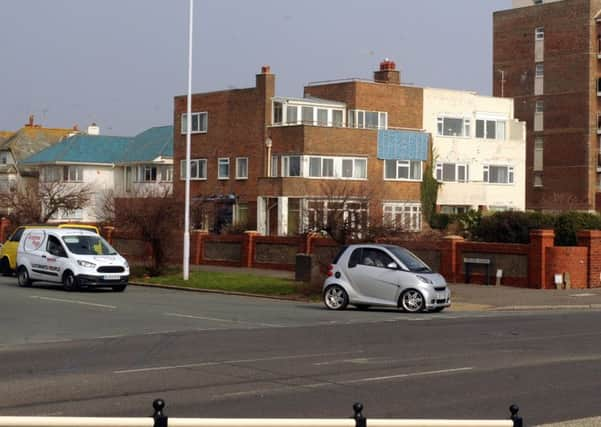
(286, 166)
(223, 161)
(197, 114)
(500, 128)
(197, 162)
(408, 212)
(539, 33)
(166, 173)
(357, 119)
(239, 161)
(439, 175)
(538, 157)
(539, 69)
(67, 172)
(465, 126)
(405, 163)
(510, 174)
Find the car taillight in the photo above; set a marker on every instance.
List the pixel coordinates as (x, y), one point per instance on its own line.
(331, 270)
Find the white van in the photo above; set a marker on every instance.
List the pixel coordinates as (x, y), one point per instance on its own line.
(75, 258)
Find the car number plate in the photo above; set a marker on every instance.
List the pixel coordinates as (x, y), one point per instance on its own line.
(112, 277)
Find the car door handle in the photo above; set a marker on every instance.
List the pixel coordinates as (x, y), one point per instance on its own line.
(43, 256)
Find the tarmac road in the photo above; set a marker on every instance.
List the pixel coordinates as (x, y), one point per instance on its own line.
(105, 353)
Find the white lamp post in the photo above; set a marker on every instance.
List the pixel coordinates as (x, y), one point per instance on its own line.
(186, 259)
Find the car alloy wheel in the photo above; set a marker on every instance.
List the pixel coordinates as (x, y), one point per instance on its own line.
(335, 298)
(412, 301)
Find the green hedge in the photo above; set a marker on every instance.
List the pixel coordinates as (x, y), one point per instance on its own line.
(514, 227)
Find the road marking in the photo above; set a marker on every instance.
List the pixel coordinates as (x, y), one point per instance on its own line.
(411, 374)
(228, 362)
(216, 319)
(347, 382)
(71, 301)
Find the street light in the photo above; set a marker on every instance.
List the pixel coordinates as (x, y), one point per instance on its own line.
(186, 259)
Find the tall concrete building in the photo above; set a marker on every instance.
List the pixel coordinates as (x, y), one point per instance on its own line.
(547, 57)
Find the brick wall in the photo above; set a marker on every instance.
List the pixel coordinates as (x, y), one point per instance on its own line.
(566, 260)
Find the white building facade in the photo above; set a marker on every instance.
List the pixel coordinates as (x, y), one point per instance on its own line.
(479, 151)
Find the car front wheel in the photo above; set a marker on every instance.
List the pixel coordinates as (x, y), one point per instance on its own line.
(335, 298)
(412, 301)
(23, 277)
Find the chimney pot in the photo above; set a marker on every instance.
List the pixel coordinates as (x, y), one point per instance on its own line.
(265, 69)
(387, 65)
(31, 121)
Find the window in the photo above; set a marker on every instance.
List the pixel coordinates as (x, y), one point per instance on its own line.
(539, 33)
(453, 126)
(337, 118)
(498, 174)
(307, 115)
(277, 113)
(274, 166)
(54, 247)
(291, 114)
(4, 158)
(538, 154)
(147, 173)
(539, 109)
(223, 168)
(410, 170)
(405, 215)
(538, 180)
(166, 173)
(199, 122)
(241, 167)
(490, 129)
(51, 173)
(539, 69)
(371, 257)
(368, 119)
(198, 169)
(321, 167)
(452, 172)
(291, 166)
(354, 168)
(72, 173)
(322, 117)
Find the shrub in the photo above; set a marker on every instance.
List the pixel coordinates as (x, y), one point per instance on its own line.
(569, 223)
(440, 221)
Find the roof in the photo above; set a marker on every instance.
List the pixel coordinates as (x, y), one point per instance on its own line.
(82, 148)
(309, 100)
(4, 135)
(30, 140)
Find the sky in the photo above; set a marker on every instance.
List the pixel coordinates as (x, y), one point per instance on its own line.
(119, 63)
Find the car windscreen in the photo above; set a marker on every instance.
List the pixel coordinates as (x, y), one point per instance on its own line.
(411, 261)
(88, 245)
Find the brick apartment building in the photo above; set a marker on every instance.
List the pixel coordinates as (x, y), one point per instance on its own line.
(280, 164)
(547, 57)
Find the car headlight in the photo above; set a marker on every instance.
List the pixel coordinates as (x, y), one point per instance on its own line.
(86, 264)
(424, 279)
(125, 264)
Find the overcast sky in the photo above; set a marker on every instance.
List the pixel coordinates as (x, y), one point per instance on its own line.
(120, 62)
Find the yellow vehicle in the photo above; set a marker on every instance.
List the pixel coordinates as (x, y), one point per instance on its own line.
(8, 251)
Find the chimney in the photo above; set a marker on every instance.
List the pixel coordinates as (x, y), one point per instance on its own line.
(387, 73)
(93, 129)
(31, 121)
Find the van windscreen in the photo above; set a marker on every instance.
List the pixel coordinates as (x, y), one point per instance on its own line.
(88, 245)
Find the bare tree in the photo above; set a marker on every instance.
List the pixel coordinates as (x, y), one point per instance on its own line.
(155, 217)
(37, 203)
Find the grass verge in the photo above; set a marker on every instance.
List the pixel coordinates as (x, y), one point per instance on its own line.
(230, 282)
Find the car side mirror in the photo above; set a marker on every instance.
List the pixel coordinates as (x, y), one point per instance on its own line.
(392, 266)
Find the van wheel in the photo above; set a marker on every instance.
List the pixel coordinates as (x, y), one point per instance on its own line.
(119, 288)
(70, 282)
(23, 277)
(5, 269)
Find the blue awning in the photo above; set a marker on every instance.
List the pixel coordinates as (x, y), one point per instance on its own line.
(402, 145)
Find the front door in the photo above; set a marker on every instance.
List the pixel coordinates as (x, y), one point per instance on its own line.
(371, 277)
(56, 258)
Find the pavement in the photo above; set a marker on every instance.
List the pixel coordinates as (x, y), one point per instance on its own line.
(470, 297)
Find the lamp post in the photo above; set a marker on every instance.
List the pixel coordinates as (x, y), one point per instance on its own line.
(186, 258)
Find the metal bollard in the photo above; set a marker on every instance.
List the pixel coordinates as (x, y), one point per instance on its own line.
(160, 419)
(517, 420)
(360, 420)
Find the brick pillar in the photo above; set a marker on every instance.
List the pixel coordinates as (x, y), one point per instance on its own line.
(248, 248)
(197, 245)
(448, 257)
(539, 241)
(107, 232)
(4, 226)
(592, 240)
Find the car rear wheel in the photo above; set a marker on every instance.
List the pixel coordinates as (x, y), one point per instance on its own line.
(5, 269)
(70, 282)
(412, 301)
(335, 298)
(23, 277)
(119, 288)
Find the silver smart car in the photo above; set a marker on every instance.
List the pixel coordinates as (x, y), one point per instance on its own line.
(383, 275)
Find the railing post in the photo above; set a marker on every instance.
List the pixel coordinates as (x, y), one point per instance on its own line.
(517, 420)
(160, 419)
(360, 420)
